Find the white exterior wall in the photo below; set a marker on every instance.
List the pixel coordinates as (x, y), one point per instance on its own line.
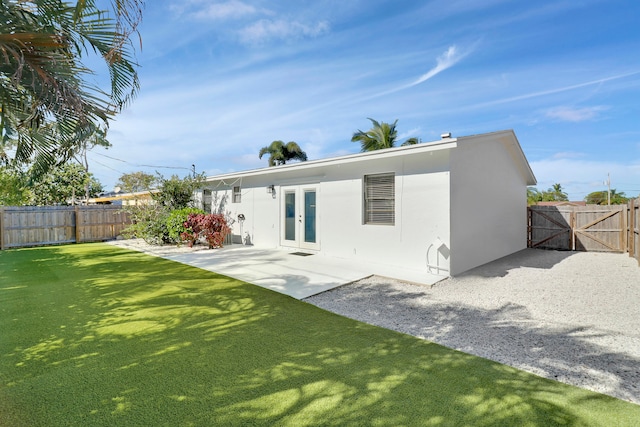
(259, 208)
(422, 208)
(422, 211)
(488, 203)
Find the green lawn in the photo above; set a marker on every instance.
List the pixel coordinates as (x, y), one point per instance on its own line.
(94, 335)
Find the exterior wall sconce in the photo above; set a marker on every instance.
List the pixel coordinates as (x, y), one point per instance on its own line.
(271, 189)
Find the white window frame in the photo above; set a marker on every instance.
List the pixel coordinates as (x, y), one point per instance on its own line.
(207, 200)
(236, 196)
(378, 202)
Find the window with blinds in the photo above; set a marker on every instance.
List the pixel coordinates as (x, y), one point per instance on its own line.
(206, 201)
(237, 195)
(379, 199)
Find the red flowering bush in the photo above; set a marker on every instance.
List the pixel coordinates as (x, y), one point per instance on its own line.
(212, 227)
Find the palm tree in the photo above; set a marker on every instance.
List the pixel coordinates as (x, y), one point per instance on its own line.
(554, 194)
(604, 197)
(533, 196)
(558, 192)
(381, 135)
(280, 153)
(411, 141)
(46, 94)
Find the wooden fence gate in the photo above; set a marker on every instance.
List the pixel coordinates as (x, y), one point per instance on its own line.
(22, 226)
(579, 228)
(549, 227)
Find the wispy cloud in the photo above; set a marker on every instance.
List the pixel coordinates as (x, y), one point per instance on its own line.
(568, 114)
(224, 10)
(266, 29)
(410, 133)
(556, 90)
(207, 10)
(568, 155)
(447, 60)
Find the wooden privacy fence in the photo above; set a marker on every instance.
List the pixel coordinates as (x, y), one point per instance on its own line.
(22, 226)
(585, 228)
(633, 245)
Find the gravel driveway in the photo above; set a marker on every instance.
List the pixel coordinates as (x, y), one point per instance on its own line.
(569, 316)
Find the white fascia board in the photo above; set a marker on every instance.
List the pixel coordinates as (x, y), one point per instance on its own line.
(444, 144)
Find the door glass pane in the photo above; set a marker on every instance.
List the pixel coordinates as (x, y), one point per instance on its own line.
(310, 216)
(290, 216)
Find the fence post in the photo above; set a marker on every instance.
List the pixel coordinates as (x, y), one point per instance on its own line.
(625, 226)
(76, 213)
(636, 226)
(529, 237)
(631, 233)
(572, 232)
(1, 228)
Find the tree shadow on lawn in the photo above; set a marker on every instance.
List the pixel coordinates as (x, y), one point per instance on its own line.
(556, 351)
(188, 347)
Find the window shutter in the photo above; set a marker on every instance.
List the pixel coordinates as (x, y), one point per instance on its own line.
(379, 199)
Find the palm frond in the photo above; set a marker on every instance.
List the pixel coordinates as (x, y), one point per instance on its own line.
(411, 141)
(381, 135)
(280, 153)
(48, 104)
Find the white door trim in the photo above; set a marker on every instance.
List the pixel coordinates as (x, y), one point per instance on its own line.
(296, 214)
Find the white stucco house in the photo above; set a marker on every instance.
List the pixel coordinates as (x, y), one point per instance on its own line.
(441, 207)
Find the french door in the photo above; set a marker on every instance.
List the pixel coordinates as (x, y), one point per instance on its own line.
(299, 213)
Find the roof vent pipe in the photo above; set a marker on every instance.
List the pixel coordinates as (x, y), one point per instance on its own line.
(446, 135)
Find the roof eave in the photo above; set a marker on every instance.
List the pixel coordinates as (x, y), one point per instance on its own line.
(443, 144)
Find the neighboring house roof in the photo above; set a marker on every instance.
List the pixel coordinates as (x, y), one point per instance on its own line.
(507, 137)
(110, 197)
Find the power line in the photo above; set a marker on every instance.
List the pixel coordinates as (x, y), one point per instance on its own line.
(141, 166)
(108, 167)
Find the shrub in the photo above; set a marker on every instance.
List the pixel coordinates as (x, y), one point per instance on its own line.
(149, 222)
(212, 227)
(153, 221)
(177, 193)
(176, 222)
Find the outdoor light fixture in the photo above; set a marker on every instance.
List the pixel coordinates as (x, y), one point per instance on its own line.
(271, 189)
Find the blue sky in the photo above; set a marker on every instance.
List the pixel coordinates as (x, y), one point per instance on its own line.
(221, 79)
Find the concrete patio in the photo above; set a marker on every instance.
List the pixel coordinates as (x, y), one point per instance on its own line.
(283, 271)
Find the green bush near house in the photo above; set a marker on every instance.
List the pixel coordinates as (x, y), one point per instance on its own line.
(175, 222)
(158, 222)
(94, 335)
(149, 222)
